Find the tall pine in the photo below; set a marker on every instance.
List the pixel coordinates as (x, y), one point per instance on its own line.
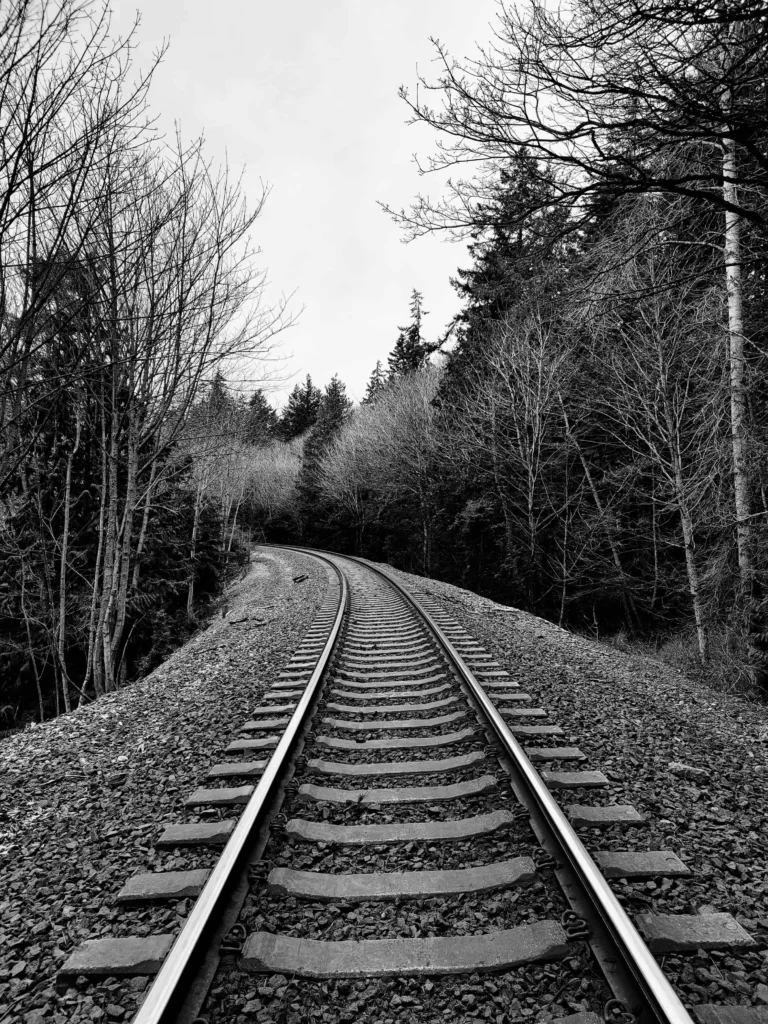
(411, 352)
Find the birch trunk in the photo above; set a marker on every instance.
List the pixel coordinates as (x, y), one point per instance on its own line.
(686, 521)
(737, 367)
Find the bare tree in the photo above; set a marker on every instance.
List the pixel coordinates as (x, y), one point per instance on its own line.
(386, 452)
(64, 100)
(666, 387)
(615, 99)
(179, 295)
(273, 475)
(348, 476)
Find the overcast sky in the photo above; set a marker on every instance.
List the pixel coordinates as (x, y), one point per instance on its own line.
(304, 94)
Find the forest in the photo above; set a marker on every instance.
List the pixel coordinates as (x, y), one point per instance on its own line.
(127, 281)
(587, 440)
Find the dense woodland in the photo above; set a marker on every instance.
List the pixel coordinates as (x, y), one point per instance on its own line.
(588, 440)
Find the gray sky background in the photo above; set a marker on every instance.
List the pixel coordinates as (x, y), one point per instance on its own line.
(304, 94)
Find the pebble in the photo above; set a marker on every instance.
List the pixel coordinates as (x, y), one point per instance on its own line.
(687, 771)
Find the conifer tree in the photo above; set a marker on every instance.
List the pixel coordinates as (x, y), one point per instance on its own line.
(301, 411)
(376, 384)
(411, 352)
(261, 420)
(219, 398)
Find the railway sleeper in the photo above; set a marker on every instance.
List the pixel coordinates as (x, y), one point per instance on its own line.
(397, 885)
(403, 795)
(498, 950)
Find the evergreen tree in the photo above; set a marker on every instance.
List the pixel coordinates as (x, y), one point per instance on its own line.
(260, 420)
(219, 399)
(301, 411)
(334, 407)
(411, 352)
(515, 257)
(376, 384)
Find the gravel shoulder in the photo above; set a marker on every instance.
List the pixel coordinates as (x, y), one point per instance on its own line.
(83, 798)
(645, 725)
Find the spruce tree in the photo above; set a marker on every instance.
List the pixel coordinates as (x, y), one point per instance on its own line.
(260, 420)
(376, 384)
(219, 399)
(411, 352)
(301, 411)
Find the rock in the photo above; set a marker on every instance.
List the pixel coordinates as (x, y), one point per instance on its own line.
(38, 1016)
(761, 993)
(687, 771)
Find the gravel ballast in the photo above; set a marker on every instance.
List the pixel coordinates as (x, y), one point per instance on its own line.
(693, 761)
(83, 798)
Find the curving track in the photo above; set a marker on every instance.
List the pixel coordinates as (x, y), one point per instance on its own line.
(415, 843)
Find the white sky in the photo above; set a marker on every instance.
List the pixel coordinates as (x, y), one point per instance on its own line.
(304, 94)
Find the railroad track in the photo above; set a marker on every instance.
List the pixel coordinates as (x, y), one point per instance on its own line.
(399, 842)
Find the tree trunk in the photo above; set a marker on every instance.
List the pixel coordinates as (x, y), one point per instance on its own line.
(566, 523)
(655, 535)
(30, 646)
(121, 590)
(737, 372)
(108, 581)
(509, 533)
(63, 570)
(192, 554)
(144, 526)
(686, 521)
(93, 664)
(234, 524)
(693, 581)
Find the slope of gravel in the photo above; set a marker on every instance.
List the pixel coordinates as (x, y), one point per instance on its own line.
(693, 760)
(83, 798)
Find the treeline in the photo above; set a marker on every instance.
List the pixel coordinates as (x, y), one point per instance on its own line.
(593, 443)
(127, 281)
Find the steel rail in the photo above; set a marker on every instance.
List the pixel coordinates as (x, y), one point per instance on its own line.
(169, 986)
(662, 998)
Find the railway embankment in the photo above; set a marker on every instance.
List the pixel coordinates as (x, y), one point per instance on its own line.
(82, 798)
